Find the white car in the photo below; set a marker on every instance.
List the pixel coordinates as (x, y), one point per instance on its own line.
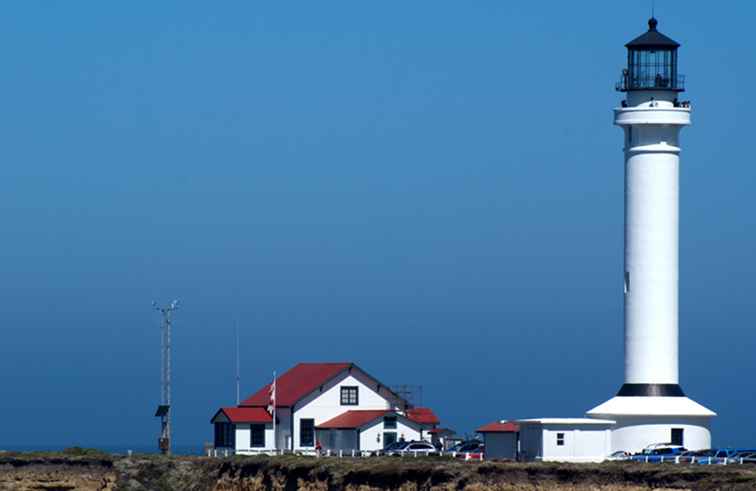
(619, 455)
(415, 449)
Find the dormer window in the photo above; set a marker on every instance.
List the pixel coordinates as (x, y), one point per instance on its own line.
(350, 396)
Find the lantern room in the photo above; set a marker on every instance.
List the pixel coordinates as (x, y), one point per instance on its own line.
(651, 63)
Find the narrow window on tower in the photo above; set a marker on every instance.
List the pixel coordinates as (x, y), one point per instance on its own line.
(627, 282)
(560, 439)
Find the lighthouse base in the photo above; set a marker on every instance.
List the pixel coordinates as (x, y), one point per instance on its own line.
(642, 421)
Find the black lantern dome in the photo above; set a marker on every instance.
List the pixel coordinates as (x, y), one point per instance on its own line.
(651, 63)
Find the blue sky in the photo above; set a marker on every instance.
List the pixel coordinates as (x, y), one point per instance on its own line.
(432, 190)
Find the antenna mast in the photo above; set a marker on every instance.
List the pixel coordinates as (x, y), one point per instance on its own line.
(236, 328)
(164, 409)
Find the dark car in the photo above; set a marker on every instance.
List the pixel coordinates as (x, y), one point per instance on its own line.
(395, 446)
(468, 446)
(692, 456)
(472, 450)
(717, 456)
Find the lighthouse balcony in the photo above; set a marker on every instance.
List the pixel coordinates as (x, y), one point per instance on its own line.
(666, 114)
(658, 81)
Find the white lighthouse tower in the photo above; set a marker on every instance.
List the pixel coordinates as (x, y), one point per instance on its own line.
(651, 407)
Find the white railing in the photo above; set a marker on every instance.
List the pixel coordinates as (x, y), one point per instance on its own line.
(682, 459)
(349, 453)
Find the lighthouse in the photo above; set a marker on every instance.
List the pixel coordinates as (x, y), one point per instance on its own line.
(651, 406)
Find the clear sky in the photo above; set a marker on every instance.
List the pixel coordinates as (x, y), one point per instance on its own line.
(431, 189)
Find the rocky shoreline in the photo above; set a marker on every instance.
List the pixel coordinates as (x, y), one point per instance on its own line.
(150, 472)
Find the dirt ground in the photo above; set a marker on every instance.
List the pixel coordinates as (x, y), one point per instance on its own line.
(55, 472)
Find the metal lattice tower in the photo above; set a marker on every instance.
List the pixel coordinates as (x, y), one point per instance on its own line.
(164, 409)
(413, 394)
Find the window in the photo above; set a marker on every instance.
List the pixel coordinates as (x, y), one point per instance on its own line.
(349, 396)
(560, 439)
(627, 282)
(225, 435)
(306, 432)
(652, 68)
(677, 436)
(389, 422)
(257, 436)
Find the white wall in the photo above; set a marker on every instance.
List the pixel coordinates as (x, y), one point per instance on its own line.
(582, 442)
(325, 405)
(244, 437)
(500, 445)
(632, 434)
(651, 263)
(585, 443)
(283, 428)
(369, 436)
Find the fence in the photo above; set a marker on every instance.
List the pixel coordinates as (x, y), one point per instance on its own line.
(692, 460)
(230, 452)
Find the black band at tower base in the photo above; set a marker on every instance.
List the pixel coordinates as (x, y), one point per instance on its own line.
(651, 390)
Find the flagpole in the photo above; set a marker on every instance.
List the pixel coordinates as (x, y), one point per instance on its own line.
(236, 329)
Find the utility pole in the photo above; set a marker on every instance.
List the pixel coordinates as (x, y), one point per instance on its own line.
(164, 409)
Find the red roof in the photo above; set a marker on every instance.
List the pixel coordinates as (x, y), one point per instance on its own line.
(245, 414)
(422, 415)
(353, 419)
(296, 383)
(498, 427)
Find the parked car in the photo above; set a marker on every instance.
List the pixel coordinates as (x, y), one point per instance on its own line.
(458, 445)
(394, 447)
(414, 448)
(659, 452)
(619, 455)
(472, 450)
(471, 446)
(692, 456)
(744, 456)
(725, 453)
(662, 448)
(717, 456)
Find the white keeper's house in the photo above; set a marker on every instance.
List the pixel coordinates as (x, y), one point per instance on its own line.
(334, 406)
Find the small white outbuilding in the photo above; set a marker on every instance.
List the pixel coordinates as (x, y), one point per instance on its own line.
(565, 439)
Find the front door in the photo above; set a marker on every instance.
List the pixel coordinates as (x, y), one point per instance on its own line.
(389, 437)
(677, 436)
(306, 432)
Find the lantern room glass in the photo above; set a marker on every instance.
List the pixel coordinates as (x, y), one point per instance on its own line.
(651, 68)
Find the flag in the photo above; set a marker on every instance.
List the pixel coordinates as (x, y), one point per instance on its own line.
(272, 393)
